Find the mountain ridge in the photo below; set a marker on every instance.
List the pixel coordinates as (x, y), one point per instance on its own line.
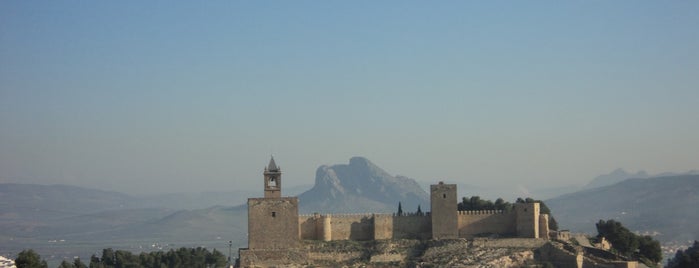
(620, 174)
(662, 206)
(361, 186)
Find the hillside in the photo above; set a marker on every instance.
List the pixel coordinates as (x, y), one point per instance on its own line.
(361, 186)
(66, 221)
(619, 175)
(614, 177)
(666, 206)
(49, 201)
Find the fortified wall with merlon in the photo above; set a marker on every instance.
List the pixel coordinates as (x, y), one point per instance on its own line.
(274, 223)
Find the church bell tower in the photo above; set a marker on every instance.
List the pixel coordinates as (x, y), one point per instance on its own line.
(273, 180)
(273, 220)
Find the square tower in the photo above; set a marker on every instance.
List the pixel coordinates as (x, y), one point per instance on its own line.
(527, 219)
(444, 211)
(273, 221)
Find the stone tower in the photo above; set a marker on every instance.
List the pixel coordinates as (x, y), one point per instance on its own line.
(273, 180)
(444, 211)
(273, 221)
(527, 221)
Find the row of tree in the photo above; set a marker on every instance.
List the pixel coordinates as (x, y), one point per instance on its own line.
(628, 243)
(182, 257)
(476, 203)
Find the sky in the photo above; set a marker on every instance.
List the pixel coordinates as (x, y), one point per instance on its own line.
(174, 96)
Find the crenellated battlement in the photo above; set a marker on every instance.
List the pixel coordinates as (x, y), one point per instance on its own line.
(351, 215)
(411, 214)
(345, 215)
(480, 212)
(371, 215)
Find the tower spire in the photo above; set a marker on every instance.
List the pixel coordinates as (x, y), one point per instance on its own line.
(273, 180)
(272, 166)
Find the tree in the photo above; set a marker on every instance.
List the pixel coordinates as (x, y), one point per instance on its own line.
(182, 257)
(66, 264)
(623, 240)
(627, 243)
(650, 249)
(553, 224)
(78, 263)
(499, 202)
(400, 209)
(29, 259)
(108, 258)
(686, 258)
(217, 259)
(95, 262)
(124, 258)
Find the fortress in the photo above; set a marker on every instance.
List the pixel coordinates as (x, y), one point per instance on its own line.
(276, 230)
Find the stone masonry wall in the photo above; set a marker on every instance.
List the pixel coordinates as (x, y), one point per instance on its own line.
(524, 221)
(352, 227)
(273, 223)
(365, 227)
(544, 226)
(527, 219)
(560, 257)
(474, 223)
(412, 227)
(383, 226)
(307, 227)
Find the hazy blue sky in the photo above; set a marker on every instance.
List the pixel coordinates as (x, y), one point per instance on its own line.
(165, 96)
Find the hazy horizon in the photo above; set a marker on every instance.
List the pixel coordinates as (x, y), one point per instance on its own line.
(158, 96)
(488, 190)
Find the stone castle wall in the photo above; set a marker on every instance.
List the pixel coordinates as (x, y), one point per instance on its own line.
(383, 226)
(484, 222)
(544, 226)
(412, 227)
(352, 227)
(273, 223)
(363, 227)
(308, 229)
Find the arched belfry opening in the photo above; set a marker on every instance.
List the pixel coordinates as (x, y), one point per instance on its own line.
(273, 180)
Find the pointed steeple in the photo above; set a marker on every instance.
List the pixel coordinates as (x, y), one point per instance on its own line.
(272, 166)
(273, 180)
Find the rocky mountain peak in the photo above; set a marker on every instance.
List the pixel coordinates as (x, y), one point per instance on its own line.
(361, 186)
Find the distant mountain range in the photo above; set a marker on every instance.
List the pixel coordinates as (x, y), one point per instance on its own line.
(619, 175)
(667, 207)
(66, 221)
(361, 186)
